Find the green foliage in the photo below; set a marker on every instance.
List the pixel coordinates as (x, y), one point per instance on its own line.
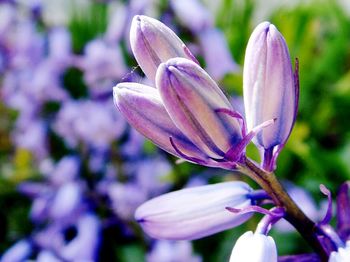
(87, 24)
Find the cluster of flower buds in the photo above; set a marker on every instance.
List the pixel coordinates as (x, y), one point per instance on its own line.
(186, 113)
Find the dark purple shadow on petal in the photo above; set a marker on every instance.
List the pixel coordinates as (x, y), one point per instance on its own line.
(343, 211)
(300, 258)
(183, 155)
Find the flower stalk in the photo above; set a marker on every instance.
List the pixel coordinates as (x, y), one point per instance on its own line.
(293, 214)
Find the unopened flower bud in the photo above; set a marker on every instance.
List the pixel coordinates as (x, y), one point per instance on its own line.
(153, 43)
(270, 87)
(191, 98)
(196, 212)
(142, 106)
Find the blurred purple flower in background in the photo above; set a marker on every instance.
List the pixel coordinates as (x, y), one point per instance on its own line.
(87, 171)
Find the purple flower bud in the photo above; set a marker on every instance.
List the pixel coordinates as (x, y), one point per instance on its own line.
(144, 110)
(152, 43)
(342, 255)
(270, 87)
(254, 247)
(195, 212)
(191, 98)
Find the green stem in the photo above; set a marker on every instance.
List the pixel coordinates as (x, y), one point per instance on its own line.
(268, 181)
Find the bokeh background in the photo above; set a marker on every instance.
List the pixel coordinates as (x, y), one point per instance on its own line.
(72, 171)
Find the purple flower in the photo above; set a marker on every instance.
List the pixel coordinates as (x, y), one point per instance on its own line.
(102, 64)
(125, 198)
(193, 14)
(93, 123)
(153, 43)
(191, 98)
(270, 90)
(18, 252)
(216, 52)
(166, 251)
(143, 108)
(83, 247)
(194, 212)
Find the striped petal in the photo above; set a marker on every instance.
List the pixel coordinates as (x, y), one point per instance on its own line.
(195, 212)
(142, 107)
(269, 86)
(191, 98)
(153, 43)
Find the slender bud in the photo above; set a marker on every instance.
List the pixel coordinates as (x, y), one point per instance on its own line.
(270, 87)
(343, 211)
(153, 43)
(254, 247)
(196, 212)
(191, 98)
(142, 107)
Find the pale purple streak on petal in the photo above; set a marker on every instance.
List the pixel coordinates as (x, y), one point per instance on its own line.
(191, 98)
(152, 43)
(194, 212)
(269, 88)
(143, 108)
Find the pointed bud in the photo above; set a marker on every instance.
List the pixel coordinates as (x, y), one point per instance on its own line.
(191, 98)
(153, 43)
(142, 107)
(269, 86)
(254, 247)
(196, 212)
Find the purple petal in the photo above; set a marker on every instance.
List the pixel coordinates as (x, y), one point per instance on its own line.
(343, 211)
(153, 43)
(143, 108)
(194, 212)
(191, 98)
(269, 85)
